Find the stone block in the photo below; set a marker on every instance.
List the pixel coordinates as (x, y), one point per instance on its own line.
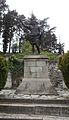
(27, 75)
(33, 75)
(41, 63)
(42, 75)
(26, 69)
(30, 63)
(36, 69)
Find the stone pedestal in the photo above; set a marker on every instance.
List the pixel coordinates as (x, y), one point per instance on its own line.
(36, 79)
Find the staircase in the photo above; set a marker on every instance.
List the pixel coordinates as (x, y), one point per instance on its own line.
(34, 109)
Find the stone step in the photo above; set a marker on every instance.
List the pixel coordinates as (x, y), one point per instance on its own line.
(34, 101)
(35, 109)
(4, 116)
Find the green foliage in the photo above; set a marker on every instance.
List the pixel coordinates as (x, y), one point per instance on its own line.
(64, 67)
(3, 71)
(27, 48)
(1, 53)
(16, 67)
(50, 55)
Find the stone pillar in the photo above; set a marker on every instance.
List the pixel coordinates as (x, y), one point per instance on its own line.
(36, 79)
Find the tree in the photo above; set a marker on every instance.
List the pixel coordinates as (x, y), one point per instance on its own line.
(3, 7)
(49, 40)
(36, 31)
(9, 22)
(20, 30)
(5, 40)
(60, 48)
(14, 48)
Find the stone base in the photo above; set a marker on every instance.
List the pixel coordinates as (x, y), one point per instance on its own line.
(36, 86)
(36, 76)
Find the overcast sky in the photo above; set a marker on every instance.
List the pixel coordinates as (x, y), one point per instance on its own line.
(57, 10)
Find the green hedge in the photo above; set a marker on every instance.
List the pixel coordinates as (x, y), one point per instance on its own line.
(64, 67)
(3, 71)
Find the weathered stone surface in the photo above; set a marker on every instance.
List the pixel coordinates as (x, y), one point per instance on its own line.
(35, 109)
(36, 67)
(41, 63)
(9, 81)
(36, 77)
(5, 93)
(56, 77)
(36, 86)
(4, 116)
(37, 106)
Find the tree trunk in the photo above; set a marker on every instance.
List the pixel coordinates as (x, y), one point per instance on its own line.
(9, 45)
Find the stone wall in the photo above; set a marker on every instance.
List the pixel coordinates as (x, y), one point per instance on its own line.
(55, 75)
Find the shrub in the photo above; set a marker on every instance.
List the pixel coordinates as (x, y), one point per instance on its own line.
(3, 71)
(50, 55)
(27, 48)
(17, 70)
(64, 67)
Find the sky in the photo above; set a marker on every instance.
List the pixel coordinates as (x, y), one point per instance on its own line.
(56, 10)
